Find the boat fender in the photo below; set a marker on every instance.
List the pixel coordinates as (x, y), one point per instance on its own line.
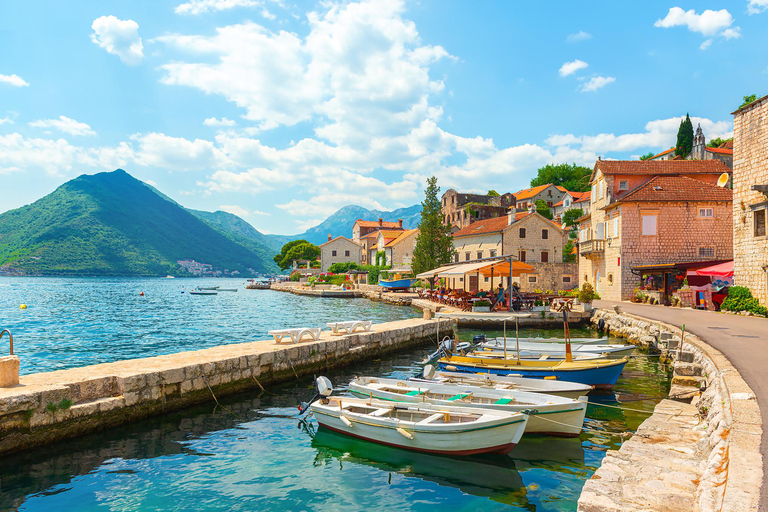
(550, 377)
(141, 294)
(346, 421)
(601, 325)
(451, 368)
(23, 306)
(404, 433)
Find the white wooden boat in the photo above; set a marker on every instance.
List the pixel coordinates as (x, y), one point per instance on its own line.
(489, 380)
(421, 427)
(226, 289)
(533, 349)
(532, 355)
(588, 341)
(548, 414)
(202, 292)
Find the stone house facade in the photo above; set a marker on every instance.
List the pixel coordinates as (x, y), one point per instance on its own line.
(651, 212)
(700, 151)
(338, 250)
(570, 201)
(460, 210)
(399, 252)
(549, 193)
(365, 233)
(750, 198)
(383, 237)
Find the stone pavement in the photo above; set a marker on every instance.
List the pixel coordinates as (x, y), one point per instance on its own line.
(743, 341)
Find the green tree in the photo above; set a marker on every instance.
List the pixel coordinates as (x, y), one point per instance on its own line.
(571, 176)
(296, 250)
(543, 209)
(492, 193)
(684, 137)
(568, 257)
(569, 217)
(717, 142)
(434, 245)
(748, 99)
(647, 156)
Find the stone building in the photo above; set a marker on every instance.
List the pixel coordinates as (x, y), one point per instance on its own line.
(570, 201)
(529, 237)
(399, 252)
(338, 250)
(365, 233)
(377, 244)
(460, 210)
(652, 212)
(548, 193)
(700, 151)
(750, 198)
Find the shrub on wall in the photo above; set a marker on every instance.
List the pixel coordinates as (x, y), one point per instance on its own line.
(740, 299)
(343, 267)
(295, 276)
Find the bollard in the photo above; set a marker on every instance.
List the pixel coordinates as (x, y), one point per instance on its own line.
(427, 314)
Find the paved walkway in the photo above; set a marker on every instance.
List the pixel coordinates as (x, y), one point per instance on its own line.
(743, 340)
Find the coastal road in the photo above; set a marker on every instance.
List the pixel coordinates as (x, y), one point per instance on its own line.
(743, 340)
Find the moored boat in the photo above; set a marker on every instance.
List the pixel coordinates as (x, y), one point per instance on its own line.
(226, 290)
(533, 348)
(397, 284)
(547, 386)
(533, 355)
(548, 414)
(600, 373)
(587, 341)
(202, 292)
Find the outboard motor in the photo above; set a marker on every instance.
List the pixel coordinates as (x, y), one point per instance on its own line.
(428, 373)
(323, 389)
(478, 338)
(601, 325)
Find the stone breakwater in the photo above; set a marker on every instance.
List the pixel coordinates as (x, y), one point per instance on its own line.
(52, 406)
(701, 456)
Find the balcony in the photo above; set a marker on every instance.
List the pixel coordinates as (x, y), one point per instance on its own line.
(592, 248)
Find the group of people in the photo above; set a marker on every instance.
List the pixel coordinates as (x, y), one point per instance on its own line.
(499, 297)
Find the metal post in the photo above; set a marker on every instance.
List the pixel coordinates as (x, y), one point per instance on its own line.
(505, 339)
(509, 284)
(517, 338)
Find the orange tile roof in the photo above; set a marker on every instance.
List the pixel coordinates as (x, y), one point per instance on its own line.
(721, 151)
(403, 235)
(582, 196)
(530, 192)
(651, 167)
(389, 234)
(662, 153)
(480, 227)
(375, 224)
(677, 188)
(726, 145)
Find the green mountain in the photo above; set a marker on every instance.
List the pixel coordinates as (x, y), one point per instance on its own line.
(113, 224)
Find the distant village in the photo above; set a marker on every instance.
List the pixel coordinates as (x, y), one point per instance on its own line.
(645, 225)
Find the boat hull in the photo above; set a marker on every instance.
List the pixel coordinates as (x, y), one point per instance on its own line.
(397, 284)
(532, 348)
(601, 377)
(560, 388)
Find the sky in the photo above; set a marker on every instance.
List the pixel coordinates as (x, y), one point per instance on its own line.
(282, 112)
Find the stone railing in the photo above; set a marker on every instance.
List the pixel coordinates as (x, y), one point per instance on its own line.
(590, 247)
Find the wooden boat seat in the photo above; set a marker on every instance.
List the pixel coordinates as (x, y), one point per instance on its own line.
(460, 396)
(414, 393)
(504, 401)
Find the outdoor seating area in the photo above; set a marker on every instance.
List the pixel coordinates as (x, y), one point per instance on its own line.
(467, 300)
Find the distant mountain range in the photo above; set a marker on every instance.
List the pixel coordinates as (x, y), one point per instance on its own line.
(113, 224)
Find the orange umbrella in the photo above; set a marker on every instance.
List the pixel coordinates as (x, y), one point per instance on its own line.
(501, 269)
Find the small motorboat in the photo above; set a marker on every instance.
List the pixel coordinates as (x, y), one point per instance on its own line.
(552, 415)
(207, 287)
(397, 284)
(589, 341)
(422, 427)
(600, 373)
(226, 290)
(489, 380)
(532, 349)
(533, 355)
(202, 292)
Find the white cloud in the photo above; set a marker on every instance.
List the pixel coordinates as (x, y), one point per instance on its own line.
(709, 23)
(6, 120)
(119, 37)
(64, 124)
(14, 80)
(706, 44)
(570, 68)
(204, 6)
(212, 121)
(578, 37)
(596, 83)
(257, 212)
(176, 153)
(235, 210)
(757, 6)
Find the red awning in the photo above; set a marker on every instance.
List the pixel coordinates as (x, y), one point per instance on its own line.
(719, 270)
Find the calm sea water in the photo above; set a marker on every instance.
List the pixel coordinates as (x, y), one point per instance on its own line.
(253, 453)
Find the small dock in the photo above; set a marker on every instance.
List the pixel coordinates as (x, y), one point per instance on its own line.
(51, 406)
(322, 290)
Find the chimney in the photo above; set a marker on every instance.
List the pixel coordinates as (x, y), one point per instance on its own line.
(330, 237)
(400, 222)
(511, 217)
(381, 222)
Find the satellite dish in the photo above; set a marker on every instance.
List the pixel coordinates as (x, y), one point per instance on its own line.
(324, 386)
(723, 180)
(429, 371)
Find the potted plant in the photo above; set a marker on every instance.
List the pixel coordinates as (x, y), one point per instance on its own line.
(686, 294)
(540, 305)
(586, 296)
(481, 306)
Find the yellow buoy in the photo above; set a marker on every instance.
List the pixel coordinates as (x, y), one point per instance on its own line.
(23, 306)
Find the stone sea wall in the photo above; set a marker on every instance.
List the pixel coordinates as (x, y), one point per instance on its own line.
(701, 456)
(51, 406)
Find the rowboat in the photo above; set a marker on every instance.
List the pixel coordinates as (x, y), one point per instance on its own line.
(538, 349)
(600, 373)
(489, 380)
(421, 427)
(547, 414)
(397, 284)
(589, 341)
(207, 287)
(534, 355)
(202, 292)
(226, 290)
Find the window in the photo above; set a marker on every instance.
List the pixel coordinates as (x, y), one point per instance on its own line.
(566, 279)
(567, 202)
(531, 279)
(706, 212)
(649, 224)
(522, 232)
(549, 192)
(759, 218)
(544, 234)
(615, 227)
(610, 278)
(493, 254)
(549, 203)
(522, 256)
(346, 254)
(706, 252)
(466, 256)
(479, 255)
(545, 256)
(623, 185)
(586, 278)
(486, 279)
(333, 253)
(456, 257)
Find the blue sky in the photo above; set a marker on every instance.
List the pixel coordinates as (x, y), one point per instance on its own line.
(282, 112)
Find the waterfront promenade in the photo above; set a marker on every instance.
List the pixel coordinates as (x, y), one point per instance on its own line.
(742, 340)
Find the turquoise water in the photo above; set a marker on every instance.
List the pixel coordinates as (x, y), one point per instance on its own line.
(253, 453)
(75, 322)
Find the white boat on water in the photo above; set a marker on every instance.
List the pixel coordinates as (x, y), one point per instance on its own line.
(508, 382)
(586, 341)
(533, 349)
(226, 289)
(547, 414)
(422, 427)
(202, 292)
(531, 355)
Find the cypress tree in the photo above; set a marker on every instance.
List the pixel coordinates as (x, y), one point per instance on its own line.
(684, 137)
(434, 245)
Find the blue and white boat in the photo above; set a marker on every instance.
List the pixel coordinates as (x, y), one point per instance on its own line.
(397, 284)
